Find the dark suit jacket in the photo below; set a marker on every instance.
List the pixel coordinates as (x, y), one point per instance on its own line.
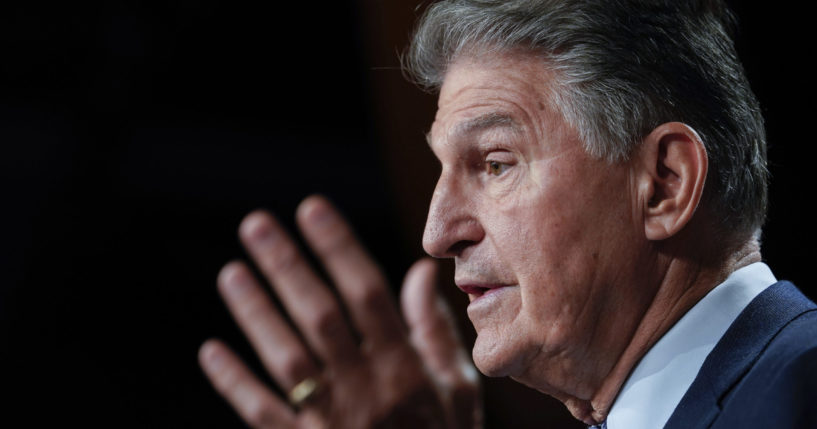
(762, 373)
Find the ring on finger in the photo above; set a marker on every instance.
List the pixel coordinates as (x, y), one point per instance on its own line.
(303, 391)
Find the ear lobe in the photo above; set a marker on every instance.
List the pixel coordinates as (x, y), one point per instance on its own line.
(675, 164)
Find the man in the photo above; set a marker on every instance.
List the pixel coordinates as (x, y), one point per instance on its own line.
(602, 191)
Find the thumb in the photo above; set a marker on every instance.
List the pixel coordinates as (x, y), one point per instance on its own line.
(433, 334)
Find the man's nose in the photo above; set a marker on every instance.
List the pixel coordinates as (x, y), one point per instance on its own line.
(452, 225)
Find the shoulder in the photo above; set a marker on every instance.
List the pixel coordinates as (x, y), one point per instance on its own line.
(763, 371)
(780, 388)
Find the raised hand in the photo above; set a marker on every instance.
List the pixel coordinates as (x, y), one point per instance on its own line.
(368, 372)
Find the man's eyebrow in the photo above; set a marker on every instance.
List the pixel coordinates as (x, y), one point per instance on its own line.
(483, 122)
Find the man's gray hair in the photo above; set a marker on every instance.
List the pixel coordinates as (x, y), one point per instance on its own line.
(623, 67)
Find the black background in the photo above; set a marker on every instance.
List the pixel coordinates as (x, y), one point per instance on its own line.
(135, 136)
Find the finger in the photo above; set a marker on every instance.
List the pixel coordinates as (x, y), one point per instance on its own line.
(432, 330)
(307, 300)
(256, 404)
(281, 352)
(359, 280)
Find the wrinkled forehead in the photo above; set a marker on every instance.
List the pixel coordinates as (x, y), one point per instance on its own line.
(508, 90)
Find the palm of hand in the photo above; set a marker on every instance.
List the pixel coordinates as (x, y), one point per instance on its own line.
(391, 377)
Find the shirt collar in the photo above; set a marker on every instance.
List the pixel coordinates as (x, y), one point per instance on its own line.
(659, 381)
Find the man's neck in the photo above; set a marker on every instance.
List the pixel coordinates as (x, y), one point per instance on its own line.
(683, 284)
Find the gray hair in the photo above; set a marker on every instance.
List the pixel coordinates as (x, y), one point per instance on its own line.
(623, 67)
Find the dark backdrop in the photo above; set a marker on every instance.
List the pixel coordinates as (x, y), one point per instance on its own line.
(136, 135)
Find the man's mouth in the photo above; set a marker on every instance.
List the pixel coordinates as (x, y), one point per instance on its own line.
(476, 291)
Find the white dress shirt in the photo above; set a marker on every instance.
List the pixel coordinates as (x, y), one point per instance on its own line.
(664, 374)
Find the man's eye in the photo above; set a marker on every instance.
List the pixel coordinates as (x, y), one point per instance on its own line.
(495, 168)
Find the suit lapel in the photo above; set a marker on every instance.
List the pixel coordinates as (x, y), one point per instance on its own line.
(736, 352)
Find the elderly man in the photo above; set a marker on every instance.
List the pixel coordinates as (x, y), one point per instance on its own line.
(602, 192)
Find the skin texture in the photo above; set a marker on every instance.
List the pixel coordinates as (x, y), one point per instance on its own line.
(574, 266)
(400, 373)
(553, 226)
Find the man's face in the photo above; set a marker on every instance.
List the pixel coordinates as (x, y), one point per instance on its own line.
(545, 238)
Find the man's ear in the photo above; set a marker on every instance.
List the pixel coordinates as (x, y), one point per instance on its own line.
(673, 166)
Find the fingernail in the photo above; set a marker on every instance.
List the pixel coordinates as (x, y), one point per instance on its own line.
(259, 229)
(213, 357)
(234, 280)
(319, 214)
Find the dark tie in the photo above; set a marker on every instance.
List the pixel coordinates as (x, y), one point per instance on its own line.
(602, 425)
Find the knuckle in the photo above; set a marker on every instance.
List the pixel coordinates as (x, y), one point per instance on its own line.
(326, 322)
(251, 309)
(257, 414)
(282, 259)
(371, 296)
(294, 366)
(337, 242)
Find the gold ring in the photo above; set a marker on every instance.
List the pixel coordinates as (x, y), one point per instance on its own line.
(303, 391)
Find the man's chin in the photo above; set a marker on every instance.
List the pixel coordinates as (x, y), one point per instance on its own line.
(491, 360)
